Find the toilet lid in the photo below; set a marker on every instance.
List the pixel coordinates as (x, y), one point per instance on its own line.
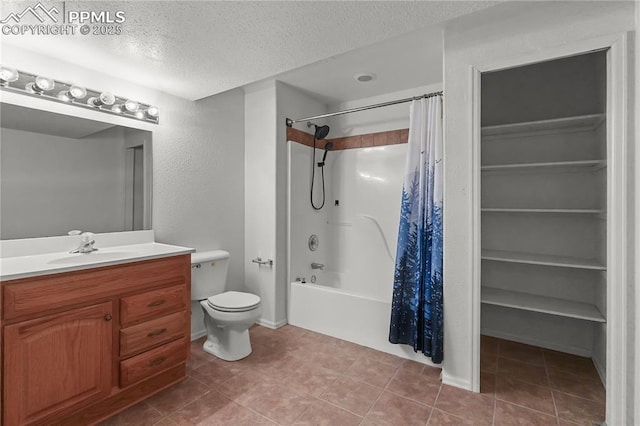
(234, 301)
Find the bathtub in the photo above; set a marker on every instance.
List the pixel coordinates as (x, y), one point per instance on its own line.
(338, 313)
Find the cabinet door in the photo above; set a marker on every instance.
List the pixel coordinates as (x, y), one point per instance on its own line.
(57, 362)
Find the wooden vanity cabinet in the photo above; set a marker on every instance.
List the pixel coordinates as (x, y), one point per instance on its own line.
(78, 347)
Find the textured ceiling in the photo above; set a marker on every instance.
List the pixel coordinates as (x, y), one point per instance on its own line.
(194, 49)
(404, 62)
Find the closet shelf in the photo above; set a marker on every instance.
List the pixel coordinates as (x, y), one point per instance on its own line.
(552, 166)
(544, 304)
(543, 211)
(576, 123)
(541, 259)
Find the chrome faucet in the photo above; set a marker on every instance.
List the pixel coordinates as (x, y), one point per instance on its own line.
(86, 244)
(315, 265)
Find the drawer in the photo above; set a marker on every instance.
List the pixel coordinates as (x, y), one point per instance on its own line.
(153, 304)
(36, 295)
(151, 362)
(151, 333)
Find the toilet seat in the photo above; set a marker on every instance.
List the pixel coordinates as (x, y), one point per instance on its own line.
(233, 301)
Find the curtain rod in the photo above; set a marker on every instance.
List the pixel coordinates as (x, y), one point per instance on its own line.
(363, 108)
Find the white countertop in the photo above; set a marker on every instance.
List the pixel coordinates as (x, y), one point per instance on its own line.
(31, 265)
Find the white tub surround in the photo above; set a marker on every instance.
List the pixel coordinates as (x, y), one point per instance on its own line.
(357, 232)
(31, 257)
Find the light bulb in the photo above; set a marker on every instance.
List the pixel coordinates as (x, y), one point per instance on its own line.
(153, 111)
(8, 75)
(117, 109)
(44, 83)
(64, 96)
(131, 106)
(139, 114)
(40, 85)
(105, 98)
(77, 92)
(74, 92)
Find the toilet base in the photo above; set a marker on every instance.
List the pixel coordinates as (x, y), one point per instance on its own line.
(217, 344)
(228, 332)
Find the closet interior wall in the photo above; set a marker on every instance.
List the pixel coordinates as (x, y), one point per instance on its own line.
(543, 201)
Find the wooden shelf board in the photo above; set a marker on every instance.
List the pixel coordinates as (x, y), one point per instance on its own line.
(541, 259)
(543, 304)
(542, 211)
(568, 165)
(581, 122)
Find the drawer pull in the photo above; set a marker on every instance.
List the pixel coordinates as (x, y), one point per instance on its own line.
(108, 317)
(156, 303)
(157, 332)
(157, 361)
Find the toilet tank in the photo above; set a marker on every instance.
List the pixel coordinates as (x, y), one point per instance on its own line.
(208, 273)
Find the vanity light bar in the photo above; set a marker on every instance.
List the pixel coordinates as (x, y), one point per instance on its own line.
(29, 84)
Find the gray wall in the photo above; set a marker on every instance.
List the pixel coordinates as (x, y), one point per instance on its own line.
(198, 179)
(536, 92)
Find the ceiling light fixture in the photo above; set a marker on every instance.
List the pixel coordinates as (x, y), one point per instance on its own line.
(364, 77)
(29, 84)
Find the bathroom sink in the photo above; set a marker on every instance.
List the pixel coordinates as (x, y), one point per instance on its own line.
(21, 263)
(84, 258)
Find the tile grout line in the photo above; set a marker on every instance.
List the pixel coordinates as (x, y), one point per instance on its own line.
(255, 412)
(495, 387)
(341, 408)
(525, 407)
(495, 407)
(379, 396)
(553, 398)
(434, 403)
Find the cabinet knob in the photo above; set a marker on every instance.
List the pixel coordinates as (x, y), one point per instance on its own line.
(108, 317)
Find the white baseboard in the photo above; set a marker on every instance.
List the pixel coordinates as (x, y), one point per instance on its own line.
(540, 343)
(198, 334)
(270, 324)
(455, 381)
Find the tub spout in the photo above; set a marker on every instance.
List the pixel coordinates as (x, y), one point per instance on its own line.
(315, 265)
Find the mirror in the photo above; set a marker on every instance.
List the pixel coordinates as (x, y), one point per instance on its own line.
(59, 173)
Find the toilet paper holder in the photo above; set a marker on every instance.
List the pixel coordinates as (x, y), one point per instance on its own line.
(259, 261)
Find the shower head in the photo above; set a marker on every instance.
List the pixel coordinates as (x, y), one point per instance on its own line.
(321, 132)
(327, 147)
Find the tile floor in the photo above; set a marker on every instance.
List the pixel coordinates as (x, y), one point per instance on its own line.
(299, 377)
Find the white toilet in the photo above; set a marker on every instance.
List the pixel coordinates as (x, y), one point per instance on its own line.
(227, 314)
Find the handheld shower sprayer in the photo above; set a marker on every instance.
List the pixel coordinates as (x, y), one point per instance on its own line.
(327, 147)
(320, 133)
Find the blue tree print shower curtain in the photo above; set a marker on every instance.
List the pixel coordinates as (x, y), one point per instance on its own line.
(416, 310)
